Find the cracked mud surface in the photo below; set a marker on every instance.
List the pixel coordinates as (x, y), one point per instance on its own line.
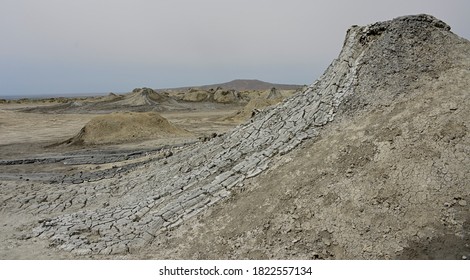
(369, 162)
(390, 184)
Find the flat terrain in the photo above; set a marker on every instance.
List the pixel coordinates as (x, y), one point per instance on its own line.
(33, 135)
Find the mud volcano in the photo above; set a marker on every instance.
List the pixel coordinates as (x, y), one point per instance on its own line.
(370, 161)
(125, 127)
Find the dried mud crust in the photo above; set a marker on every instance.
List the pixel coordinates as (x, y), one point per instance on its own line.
(164, 193)
(392, 183)
(337, 171)
(386, 180)
(83, 166)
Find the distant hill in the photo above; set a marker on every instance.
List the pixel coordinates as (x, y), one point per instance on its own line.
(241, 85)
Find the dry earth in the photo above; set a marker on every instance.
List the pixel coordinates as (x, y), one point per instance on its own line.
(74, 140)
(390, 183)
(369, 162)
(34, 150)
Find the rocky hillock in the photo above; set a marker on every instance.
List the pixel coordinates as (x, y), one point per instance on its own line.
(218, 95)
(370, 161)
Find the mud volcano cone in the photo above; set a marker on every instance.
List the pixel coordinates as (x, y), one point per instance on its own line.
(125, 127)
(370, 161)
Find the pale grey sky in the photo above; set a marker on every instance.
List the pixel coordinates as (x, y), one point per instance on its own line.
(70, 46)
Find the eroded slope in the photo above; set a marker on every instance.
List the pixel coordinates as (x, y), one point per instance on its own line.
(365, 186)
(387, 179)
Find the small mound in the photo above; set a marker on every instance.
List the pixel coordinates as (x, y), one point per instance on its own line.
(125, 127)
(219, 95)
(196, 96)
(253, 106)
(111, 97)
(274, 94)
(142, 97)
(226, 96)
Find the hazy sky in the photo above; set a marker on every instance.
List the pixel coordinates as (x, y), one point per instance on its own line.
(71, 46)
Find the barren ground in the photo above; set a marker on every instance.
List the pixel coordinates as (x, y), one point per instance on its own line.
(371, 161)
(29, 135)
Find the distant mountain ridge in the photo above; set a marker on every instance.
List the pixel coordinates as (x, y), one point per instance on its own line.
(241, 85)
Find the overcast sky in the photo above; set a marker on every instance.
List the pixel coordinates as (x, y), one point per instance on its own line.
(86, 46)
